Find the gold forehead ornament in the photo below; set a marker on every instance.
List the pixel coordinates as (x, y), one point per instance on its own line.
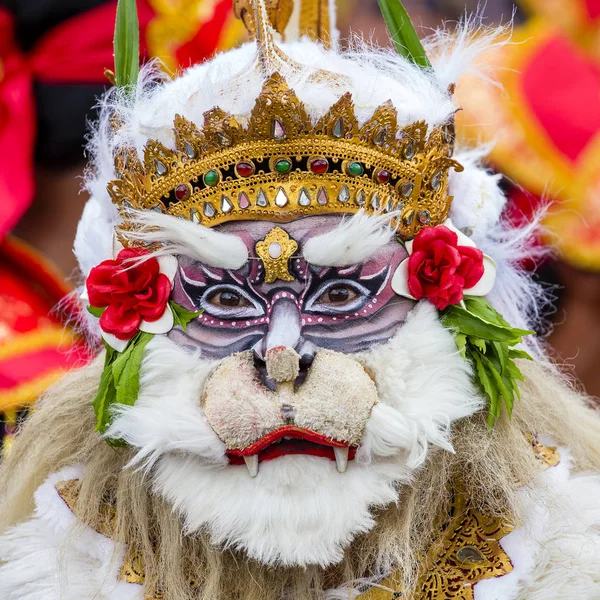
(275, 252)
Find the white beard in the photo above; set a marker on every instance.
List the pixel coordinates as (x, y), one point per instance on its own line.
(298, 510)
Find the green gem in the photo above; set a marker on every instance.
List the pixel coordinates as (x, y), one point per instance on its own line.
(355, 168)
(211, 178)
(283, 166)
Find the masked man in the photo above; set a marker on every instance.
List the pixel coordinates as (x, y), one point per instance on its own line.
(308, 388)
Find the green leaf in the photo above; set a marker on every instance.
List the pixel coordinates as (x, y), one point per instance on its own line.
(182, 316)
(461, 342)
(94, 310)
(502, 352)
(403, 33)
(478, 343)
(106, 392)
(487, 340)
(120, 380)
(515, 372)
(127, 373)
(488, 388)
(463, 321)
(484, 310)
(127, 44)
(503, 390)
(514, 353)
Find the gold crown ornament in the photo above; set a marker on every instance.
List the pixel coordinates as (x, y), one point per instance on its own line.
(281, 166)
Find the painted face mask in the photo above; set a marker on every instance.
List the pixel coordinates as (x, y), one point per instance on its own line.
(305, 375)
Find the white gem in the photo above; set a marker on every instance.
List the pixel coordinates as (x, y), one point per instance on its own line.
(278, 130)
(274, 250)
(262, 199)
(209, 210)
(194, 215)
(322, 198)
(360, 198)
(226, 205)
(189, 150)
(304, 199)
(344, 194)
(281, 199)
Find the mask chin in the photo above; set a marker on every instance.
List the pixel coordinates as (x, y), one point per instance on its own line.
(298, 511)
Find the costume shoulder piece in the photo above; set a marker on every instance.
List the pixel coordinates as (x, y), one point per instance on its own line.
(319, 376)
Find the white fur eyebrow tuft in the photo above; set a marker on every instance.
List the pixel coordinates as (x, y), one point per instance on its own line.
(178, 236)
(353, 241)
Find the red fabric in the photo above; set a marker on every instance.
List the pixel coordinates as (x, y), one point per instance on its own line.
(21, 369)
(76, 51)
(17, 129)
(439, 269)
(593, 8)
(29, 291)
(566, 97)
(130, 293)
(207, 38)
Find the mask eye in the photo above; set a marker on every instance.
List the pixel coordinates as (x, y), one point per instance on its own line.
(229, 302)
(227, 299)
(337, 296)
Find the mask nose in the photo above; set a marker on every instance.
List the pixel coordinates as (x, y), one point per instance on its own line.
(283, 355)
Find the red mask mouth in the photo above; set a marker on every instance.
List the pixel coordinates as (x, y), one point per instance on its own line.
(292, 440)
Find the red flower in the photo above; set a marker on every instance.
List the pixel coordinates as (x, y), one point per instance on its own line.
(439, 269)
(129, 293)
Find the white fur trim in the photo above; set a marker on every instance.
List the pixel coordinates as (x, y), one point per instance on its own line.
(556, 553)
(53, 557)
(167, 416)
(179, 236)
(423, 378)
(353, 241)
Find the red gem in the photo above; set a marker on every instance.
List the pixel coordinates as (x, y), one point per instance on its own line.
(319, 165)
(182, 192)
(245, 169)
(383, 176)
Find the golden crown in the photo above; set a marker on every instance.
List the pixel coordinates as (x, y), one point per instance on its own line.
(281, 167)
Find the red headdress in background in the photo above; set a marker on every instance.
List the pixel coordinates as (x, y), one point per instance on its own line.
(544, 118)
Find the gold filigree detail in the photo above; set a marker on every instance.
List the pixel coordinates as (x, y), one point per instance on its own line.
(548, 455)
(68, 490)
(314, 19)
(278, 11)
(200, 179)
(467, 552)
(275, 252)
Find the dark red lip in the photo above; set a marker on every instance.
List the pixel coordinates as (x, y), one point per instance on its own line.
(302, 441)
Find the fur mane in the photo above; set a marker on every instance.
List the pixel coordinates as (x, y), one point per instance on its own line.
(60, 432)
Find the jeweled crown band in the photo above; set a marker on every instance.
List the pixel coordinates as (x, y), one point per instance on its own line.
(282, 167)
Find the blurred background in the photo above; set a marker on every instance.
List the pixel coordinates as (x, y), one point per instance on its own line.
(544, 116)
